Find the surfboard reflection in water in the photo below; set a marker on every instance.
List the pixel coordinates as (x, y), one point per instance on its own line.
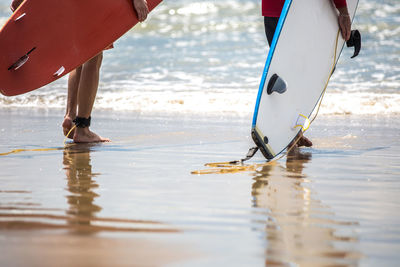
(300, 229)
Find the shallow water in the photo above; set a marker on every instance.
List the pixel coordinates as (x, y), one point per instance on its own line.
(333, 205)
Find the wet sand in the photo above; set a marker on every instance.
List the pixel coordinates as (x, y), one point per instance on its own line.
(50, 248)
(135, 201)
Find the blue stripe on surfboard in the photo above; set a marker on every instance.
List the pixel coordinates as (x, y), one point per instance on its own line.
(278, 30)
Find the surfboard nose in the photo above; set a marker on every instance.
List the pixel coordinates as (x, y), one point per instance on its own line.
(276, 84)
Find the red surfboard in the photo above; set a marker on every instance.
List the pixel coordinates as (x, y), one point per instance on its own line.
(45, 39)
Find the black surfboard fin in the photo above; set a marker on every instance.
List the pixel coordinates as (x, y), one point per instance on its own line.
(355, 40)
(276, 84)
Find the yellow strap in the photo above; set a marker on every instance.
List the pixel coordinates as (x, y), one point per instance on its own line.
(15, 151)
(305, 125)
(327, 81)
(66, 137)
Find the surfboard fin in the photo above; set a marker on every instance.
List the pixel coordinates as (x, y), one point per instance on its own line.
(21, 61)
(276, 84)
(355, 40)
(20, 17)
(59, 72)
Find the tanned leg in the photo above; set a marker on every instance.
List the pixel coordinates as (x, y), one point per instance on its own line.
(70, 114)
(87, 90)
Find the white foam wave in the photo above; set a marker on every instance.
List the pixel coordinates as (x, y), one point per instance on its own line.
(360, 104)
(197, 8)
(236, 102)
(241, 103)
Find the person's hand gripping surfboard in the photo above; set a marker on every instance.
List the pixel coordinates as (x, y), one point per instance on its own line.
(141, 9)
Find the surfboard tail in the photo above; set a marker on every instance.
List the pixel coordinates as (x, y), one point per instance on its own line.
(262, 144)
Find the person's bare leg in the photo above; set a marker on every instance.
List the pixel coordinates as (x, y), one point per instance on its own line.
(86, 95)
(70, 114)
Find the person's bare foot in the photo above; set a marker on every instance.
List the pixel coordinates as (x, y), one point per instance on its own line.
(303, 141)
(84, 135)
(67, 126)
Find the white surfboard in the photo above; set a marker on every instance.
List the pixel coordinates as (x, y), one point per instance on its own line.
(298, 67)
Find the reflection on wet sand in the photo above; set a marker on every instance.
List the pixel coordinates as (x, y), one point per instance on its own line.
(82, 213)
(300, 229)
(81, 185)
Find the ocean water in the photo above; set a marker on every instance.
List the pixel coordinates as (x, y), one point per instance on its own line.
(207, 57)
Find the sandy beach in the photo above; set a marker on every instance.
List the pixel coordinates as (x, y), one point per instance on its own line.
(135, 201)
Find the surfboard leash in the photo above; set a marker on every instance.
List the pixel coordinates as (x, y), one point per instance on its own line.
(239, 166)
(16, 151)
(252, 151)
(236, 166)
(66, 137)
(20, 150)
(330, 75)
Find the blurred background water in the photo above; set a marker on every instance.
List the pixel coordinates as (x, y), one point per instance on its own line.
(207, 57)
